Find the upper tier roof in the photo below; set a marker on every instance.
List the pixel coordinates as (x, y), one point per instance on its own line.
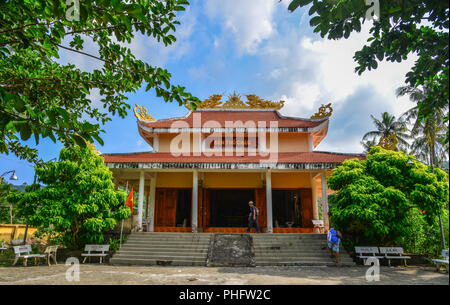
(223, 115)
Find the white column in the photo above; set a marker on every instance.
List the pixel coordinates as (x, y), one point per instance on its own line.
(269, 201)
(141, 199)
(324, 198)
(156, 143)
(315, 209)
(194, 209)
(152, 202)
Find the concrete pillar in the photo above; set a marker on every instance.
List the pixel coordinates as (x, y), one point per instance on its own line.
(324, 198)
(194, 222)
(152, 203)
(315, 208)
(141, 199)
(269, 202)
(156, 143)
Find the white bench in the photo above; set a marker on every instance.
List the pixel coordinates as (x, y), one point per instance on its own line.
(366, 252)
(3, 248)
(96, 249)
(318, 224)
(393, 253)
(16, 242)
(443, 261)
(23, 252)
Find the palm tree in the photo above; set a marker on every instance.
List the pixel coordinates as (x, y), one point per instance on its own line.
(386, 127)
(428, 133)
(368, 144)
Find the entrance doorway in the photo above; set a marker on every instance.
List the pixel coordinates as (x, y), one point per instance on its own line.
(183, 212)
(287, 209)
(229, 208)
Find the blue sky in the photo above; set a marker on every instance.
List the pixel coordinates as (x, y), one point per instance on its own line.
(252, 47)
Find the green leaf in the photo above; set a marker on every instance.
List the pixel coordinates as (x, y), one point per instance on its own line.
(79, 140)
(296, 3)
(25, 132)
(315, 21)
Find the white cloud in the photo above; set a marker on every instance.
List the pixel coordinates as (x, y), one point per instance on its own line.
(250, 22)
(309, 71)
(156, 53)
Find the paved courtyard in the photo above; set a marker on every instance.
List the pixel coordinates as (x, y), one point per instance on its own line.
(106, 274)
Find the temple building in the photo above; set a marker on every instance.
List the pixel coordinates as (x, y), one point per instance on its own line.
(205, 167)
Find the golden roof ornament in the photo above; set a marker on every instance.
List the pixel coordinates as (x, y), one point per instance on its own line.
(323, 113)
(389, 143)
(235, 102)
(140, 112)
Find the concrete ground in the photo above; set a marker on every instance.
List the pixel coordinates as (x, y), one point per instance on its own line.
(96, 274)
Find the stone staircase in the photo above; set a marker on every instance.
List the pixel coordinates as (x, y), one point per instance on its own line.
(295, 250)
(189, 249)
(177, 249)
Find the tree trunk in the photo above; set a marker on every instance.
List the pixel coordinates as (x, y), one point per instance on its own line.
(10, 214)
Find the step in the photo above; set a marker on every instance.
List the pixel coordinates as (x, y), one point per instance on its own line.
(163, 239)
(177, 262)
(318, 254)
(167, 243)
(309, 260)
(163, 252)
(290, 245)
(166, 256)
(303, 263)
(162, 249)
(290, 249)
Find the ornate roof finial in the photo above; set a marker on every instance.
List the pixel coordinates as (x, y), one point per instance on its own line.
(389, 143)
(323, 113)
(142, 114)
(234, 102)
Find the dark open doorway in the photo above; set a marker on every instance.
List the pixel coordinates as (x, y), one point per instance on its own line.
(183, 211)
(287, 208)
(229, 208)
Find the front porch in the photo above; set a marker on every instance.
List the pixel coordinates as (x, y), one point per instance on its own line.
(217, 201)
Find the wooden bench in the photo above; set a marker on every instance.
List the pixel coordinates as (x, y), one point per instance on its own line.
(23, 252)
(319, 225)
(366, 252)
(96, 249)
(443, 261)
(393, 253)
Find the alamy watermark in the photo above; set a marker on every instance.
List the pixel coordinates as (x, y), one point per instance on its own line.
(373, 272)
(230, 138)
(374, 11)
(73, 272)
(73, 10)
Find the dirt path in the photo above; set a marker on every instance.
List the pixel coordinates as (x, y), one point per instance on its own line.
(105, 274)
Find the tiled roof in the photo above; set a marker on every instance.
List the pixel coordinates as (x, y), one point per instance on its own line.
(222, 116)
(291, 157)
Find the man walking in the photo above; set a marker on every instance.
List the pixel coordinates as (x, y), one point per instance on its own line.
(253, 217)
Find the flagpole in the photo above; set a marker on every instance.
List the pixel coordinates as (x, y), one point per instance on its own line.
(121, 229)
